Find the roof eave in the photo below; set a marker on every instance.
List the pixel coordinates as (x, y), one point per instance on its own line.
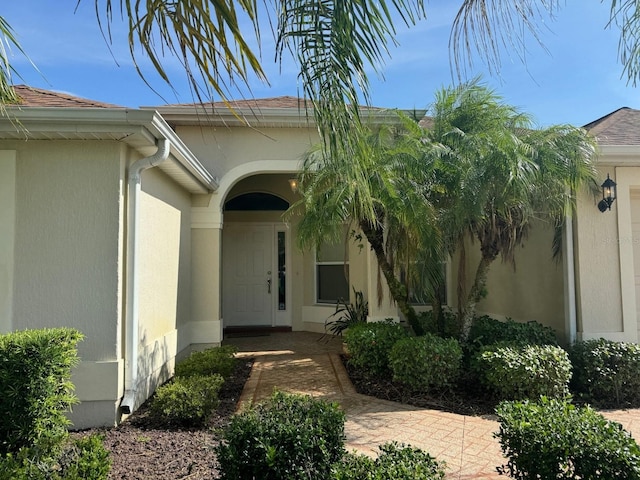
(139, 129)
(200, 115)
(618, 154)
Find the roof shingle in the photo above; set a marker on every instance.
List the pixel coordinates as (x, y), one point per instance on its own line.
(36, 97)
(620, 127)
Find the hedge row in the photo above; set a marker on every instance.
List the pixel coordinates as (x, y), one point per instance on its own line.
(513, 360)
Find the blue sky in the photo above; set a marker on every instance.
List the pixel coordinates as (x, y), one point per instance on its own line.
(577, 78)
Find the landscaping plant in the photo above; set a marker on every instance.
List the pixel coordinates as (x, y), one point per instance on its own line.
(395, 461)
(607, 372)
(287, 437)
(487, 331)
(187, 401)
(554, 439)
(35, 380)
(348, 314)
(217, 360)
(369, 345)
(426, 362)
(517, 372)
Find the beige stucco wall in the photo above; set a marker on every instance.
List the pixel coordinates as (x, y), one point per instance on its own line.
(221, 149)
(606, 295)
(7, 236)
(164, 297)
(533, 291)
(68, 256)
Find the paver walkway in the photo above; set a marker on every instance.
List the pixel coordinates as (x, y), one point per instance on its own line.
(298, 362)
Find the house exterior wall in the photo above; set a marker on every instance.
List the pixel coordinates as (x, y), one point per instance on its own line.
(164, 297)
(532, 291)
(606, 294)
(67, 261)
(7, 235)
(244, 160)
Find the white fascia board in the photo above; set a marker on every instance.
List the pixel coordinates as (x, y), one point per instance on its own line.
(266, 117)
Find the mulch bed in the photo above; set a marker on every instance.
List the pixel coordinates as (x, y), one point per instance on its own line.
(143, 449)
(467, 397)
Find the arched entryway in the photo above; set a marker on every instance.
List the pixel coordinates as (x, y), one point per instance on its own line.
(256, 254)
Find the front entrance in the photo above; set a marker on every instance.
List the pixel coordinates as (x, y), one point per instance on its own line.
(254, 292)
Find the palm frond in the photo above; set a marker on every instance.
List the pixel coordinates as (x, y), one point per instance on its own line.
(489, 27)
(204, 35)
(626, 15)
(334, 41)
(7, 41)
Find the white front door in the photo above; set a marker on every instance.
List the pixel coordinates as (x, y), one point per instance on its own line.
(249, 279)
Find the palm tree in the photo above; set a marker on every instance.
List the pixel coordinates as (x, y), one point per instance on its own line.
(380, 193)
(497, 174)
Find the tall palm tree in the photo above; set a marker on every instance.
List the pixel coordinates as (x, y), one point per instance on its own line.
(497, 174)
(379, 193)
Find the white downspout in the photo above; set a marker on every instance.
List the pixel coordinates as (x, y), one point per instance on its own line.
(133, 278)
(568, 255)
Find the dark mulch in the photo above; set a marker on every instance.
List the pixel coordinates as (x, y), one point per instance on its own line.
(467, 397)
(143, 449)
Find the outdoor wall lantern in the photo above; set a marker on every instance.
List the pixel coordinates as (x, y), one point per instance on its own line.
(293, 183)
(608, 194)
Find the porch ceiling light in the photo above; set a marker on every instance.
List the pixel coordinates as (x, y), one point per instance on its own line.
(608, 194)
(293, 183)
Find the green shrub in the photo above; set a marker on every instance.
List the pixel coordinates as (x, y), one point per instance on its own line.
(488, 331)
(607, 372)
(397, 462)
(529, 371)
(82, 458)
(289, 437)
(369, 345)
(187, 401)
(220, 360)
(426, 362)
(85, 458)
(430, 325)
(35, 381)
(552, 439)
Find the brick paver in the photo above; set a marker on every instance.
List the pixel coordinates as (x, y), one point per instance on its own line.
(306, 363)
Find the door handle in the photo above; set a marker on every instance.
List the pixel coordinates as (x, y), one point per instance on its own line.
(269, 285)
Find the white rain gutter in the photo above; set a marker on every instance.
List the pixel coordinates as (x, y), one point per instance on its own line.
(133, 278)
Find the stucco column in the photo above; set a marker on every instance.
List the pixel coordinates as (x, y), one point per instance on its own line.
(206, 274)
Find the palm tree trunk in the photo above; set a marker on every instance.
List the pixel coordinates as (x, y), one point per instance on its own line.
(398, 291)
(476, 293)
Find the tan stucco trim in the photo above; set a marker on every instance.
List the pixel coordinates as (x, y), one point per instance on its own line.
(627, 178)
(7, 236)
(98, 381)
